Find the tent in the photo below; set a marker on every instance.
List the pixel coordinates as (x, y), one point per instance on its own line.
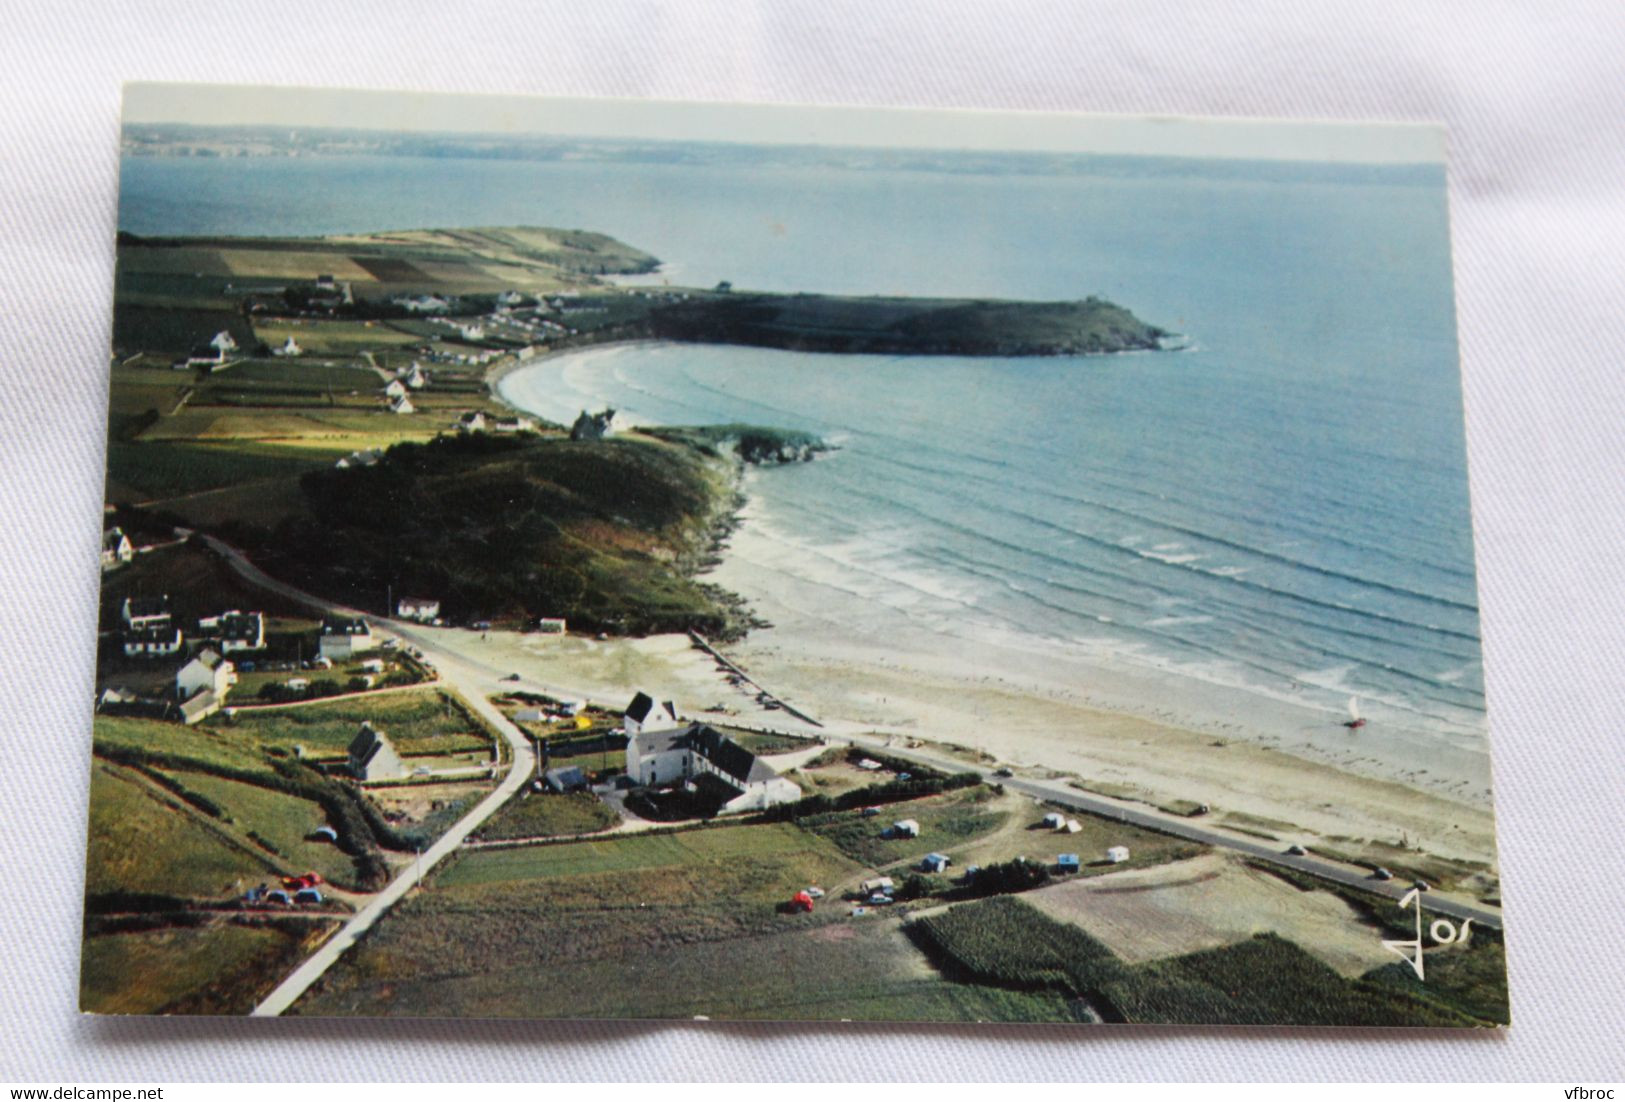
(1117, 854)
(801, 901)
(1068, 862)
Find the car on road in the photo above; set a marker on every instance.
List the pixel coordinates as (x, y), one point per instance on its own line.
(1422, 886)
(513, 677)
(1296, 851)
(1380, 873)
(1004, 771)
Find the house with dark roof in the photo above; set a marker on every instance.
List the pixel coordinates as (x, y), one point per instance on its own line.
(158, 641)
(566, 778)
(700, 754)
(138, 613)
(373, 756)
(643, 713)
(235, 630)
(342, 638)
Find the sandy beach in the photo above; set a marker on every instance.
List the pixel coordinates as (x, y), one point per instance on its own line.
(1120, 722)
(1030, 726)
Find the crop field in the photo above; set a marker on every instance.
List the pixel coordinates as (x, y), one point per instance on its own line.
(155, 471)
(1205, 903)
(1261, 980)
(218, 968)
(805, 970)
(333, 338)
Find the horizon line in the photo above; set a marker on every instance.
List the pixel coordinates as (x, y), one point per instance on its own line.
(785, 125)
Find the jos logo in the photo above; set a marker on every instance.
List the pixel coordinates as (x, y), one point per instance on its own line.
(1442, 932)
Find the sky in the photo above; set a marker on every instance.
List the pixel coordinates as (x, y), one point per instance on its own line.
(1015, 131)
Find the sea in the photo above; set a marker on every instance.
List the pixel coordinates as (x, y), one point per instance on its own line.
(1278, 507)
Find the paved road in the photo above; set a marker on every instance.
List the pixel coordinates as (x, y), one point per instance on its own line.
(1197, 831)
(474, 684)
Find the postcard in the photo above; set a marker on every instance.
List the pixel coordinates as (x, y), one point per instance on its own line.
(601, 559)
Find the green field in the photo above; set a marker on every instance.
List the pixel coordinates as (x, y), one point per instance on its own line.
(713, 849)
(542, 815)
(217, 968)
(417, 722)
(145, 839)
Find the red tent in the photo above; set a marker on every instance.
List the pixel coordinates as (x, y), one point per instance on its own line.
(801, 901)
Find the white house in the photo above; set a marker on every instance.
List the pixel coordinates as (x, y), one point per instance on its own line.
(373, 757)
(289, 347)
(643, 712)
(471, 332)
(698, 752)
(414, 377)
(513, 424)
(223, 343)
(472, 421)
(1117, 854)
(905, 828)
(236, 631)
(341, 639)
(140, 613)
(402, 405)
(116, 548)
(421, 609)
(395, 389)
(208, 670)
(153, 642)
(551, 625)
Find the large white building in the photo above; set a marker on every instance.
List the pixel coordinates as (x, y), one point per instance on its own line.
(342, 639)
(699, 752)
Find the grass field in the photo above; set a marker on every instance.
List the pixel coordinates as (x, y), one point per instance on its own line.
(541, 815)
(217, 968)
(947, 823)
(281, 824)
(144, 839)
(417, 722)
(652, 925)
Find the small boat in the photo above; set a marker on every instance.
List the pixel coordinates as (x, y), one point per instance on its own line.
(1355, 720)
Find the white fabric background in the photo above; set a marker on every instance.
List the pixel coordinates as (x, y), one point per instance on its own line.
(1534, 97)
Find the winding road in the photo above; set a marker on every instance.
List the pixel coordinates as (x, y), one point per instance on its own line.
(474, 684)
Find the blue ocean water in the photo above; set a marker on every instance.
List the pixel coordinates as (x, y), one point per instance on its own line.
(1281, 507)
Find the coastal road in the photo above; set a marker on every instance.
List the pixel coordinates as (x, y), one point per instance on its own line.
(1195, 830)
(1179, 826)
(474, 685)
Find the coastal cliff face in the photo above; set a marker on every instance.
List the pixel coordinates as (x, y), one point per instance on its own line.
(905, 326)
